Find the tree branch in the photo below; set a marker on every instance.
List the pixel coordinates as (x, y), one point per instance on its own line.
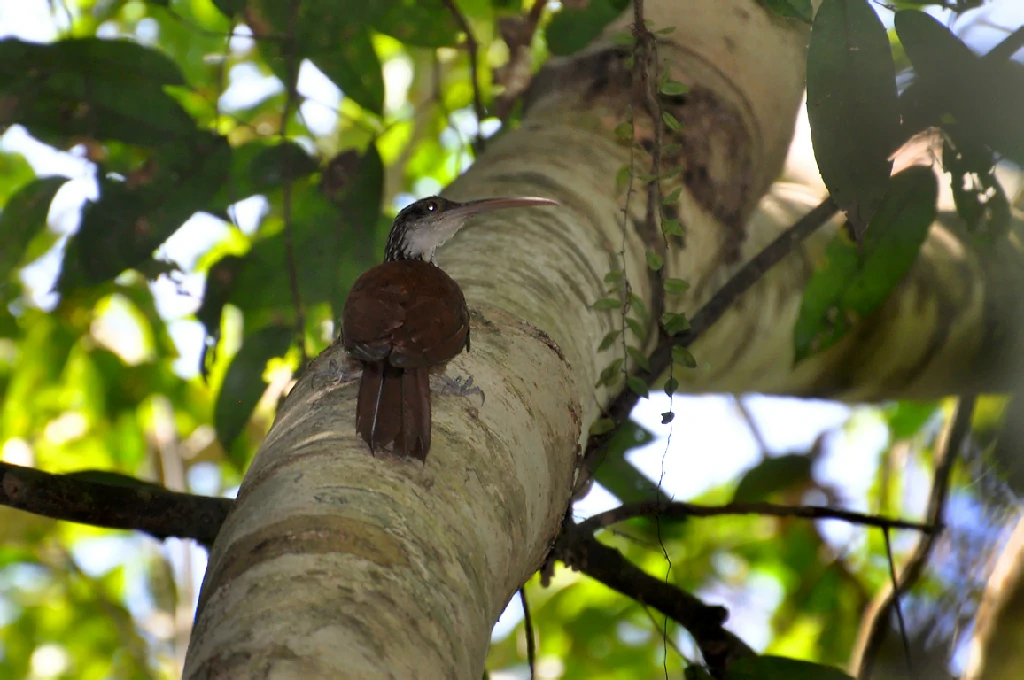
(876, 626)
(744, 279)
(474, 67)
(144, 507)
(579, 550)
(680, 510)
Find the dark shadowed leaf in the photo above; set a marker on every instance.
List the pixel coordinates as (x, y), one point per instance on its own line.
(791, 9)
(855, 282)
(23, 217)
(771, 476)
(244, 384)
(220, 282)
(781, 668)
(852, 105)
(424, 23)
(278, 164)
(105, 89)
(230, 7)
(334, 36)
(130, 219)
(981, 97)
(572, 29)
(333, 240)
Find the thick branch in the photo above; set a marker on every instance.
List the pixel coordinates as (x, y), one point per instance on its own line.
(147, 508)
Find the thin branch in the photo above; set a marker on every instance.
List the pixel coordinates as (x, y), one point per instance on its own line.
(579, 550)
(144, 507)
(291, 90)
(876, 626)
(711, 312)
(472, 48)
(898, 606)
(531, 645)
(680, 509)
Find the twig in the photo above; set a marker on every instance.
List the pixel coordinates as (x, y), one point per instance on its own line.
(531, 645)
(712, 311)
(147, 507)
(471, 48)
(898, 606)
(876, 625)
(579, 550)
(680, 509)
(286, 191)
(755, 431)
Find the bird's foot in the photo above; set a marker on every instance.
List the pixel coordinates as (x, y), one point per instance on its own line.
(335, 373)
(460, 387)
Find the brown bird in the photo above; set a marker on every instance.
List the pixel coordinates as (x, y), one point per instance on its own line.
(405, 317)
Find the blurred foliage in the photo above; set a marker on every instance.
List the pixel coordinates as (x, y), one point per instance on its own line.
(148, 323)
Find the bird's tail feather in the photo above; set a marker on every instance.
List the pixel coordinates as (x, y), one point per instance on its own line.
(394, 406)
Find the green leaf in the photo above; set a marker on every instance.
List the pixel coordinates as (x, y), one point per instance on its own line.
(607, 303)
(672, 198)
(624, 131)
(672, 227)
(638, 357)
(667, 417)
(244, 385)
(674, 88)
(22, 218)
(906, 418)
(676, 286)
(623, 176)
(671, 122)
(682, 356)
(791, 9)
(637, 328)
(422, 23)
(220, 283)
(571, 29)
(610, 373)
(230, 8)
(674, 323)
(780, 668)
(613, 276)
(771, 476)
(637, 385)
(852, 105)
(128, 221)
(654, 261)
(982, 98)
(670, 387)
(88, 87)
(275, 165)
(607, 341)
(855, 282)
(602, 426)
(637, 303)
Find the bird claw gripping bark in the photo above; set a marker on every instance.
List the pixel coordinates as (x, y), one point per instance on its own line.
(460, 387)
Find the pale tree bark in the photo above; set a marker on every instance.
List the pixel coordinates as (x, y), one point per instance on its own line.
(335, 564)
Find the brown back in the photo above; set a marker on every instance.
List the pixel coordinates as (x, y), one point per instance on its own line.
(407, 311)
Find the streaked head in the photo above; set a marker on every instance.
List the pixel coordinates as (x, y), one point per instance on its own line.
(422, 226)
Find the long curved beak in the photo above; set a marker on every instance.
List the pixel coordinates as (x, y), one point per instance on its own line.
(488, 204)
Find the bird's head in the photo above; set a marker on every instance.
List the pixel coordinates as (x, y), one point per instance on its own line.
(421, 227)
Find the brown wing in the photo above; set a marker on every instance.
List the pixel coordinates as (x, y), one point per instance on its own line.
(408, 311)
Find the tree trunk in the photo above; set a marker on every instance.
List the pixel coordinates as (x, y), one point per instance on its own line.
(335, 564)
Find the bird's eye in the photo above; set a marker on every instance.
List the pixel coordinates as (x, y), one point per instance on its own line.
(431, 206)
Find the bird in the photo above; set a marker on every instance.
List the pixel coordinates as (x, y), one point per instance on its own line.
(406, 318)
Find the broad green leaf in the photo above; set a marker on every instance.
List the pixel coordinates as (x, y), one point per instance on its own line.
(772, 476)
(906, 418)
(682, 356)
(607, 340)
(654, 261)
(105, 89)
(791, 9)
(244, 384)
(22, 218)
(856, 281)
(852, 105)
(129, 220)
(220, 284)
(602, 426)
(780, 668)
(335, 37)
(278, 164)
(607, 303)
(571, 30)
(982, 97)
(676, 286)
(638, 357)
(423, 23)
